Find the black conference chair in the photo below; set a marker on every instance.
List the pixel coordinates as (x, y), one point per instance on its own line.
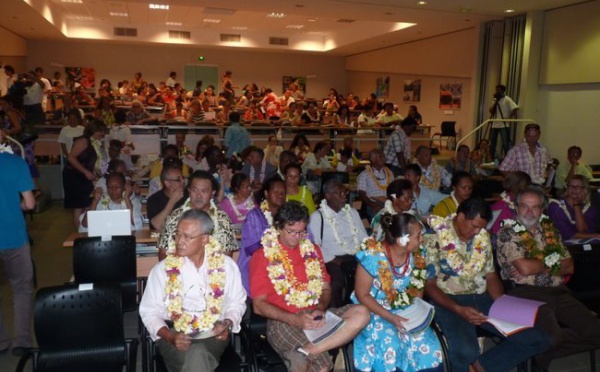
(80, 329)
(112, 261)
(448, 130)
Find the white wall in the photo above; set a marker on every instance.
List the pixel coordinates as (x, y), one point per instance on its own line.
(121, 61)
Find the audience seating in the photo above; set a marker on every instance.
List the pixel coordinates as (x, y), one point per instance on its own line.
(80, 329)
(95, 260)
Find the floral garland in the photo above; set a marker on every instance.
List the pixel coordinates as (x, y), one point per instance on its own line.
(262, 172)
(563, 206)
(105, 203)
(187, 205)
(434, 171)
(330, 215)
(264, 207)
(481, 244)
(506, 199)
(248, 203)
(388, 177)
(185, 322)
(386, 277)
(5, 148)
(281, 272)
(553, 250)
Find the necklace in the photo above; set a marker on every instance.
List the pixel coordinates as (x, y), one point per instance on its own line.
(281, 272)
(248, 203)
(398, 299)
(186, 322)
(432, 177)
(552, 251)
(262, 172)
(264, 207)
(386, 179)
(403, 270)
(448, 239)
(563, 206)
(330, 216)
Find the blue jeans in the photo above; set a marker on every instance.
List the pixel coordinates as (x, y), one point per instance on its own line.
(505, 136)
(464, 348)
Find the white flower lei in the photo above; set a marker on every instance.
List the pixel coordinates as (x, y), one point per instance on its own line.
(187, 205)
(6, 148)
(264, 207)
(281, 273)
(563, 206)
(330, 215)
(388, 207)
(105, 202)
(248, 203)
(481, 244)
(506, 198)
(185, 322)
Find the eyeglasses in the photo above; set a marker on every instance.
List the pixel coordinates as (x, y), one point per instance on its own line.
(178, 179)
(525, 207)
(576, 187)
(296, 233)
(186, 238)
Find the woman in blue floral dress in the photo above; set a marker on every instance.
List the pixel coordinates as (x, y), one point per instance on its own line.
(390, 275)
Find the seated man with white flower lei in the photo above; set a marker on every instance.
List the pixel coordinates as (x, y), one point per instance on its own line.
(289, 286)
(532, 256)
(462, 285)
(194, 298)
(337, 229)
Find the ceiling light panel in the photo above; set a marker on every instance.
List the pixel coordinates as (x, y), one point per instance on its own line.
(276, 15)
(211, 20)
(174, 24)
(118, 14)
(295, 27)
(72, 1)
(158, 6)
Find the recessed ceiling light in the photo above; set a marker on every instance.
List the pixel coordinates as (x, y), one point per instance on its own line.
(174, 24)
(509, 11)
(82, 18)
(312, 19)
(118, 14)
(72, 1)
(211, 20)
(159, 6)
(240, 28)
(276, 15)
(421, 2)
(296, 27)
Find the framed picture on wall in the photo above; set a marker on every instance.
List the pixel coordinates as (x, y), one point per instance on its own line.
(412, 90)
(450, 96)
(300, 81)
(382, 87)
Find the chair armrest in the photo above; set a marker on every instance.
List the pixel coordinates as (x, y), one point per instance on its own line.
(33, 353)
(132, 346)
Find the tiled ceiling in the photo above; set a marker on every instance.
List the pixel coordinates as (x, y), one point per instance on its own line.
(339, 27)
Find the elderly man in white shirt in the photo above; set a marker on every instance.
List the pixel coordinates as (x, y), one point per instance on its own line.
(338, 230)
(194, 298)
(372, 183)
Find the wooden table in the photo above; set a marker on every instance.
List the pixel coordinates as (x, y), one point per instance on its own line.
(141, 236)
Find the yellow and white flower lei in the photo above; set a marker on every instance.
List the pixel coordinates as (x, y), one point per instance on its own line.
(481, 244)
(330, 216)
(5, 147)
(187, 205)
(105, 203)
(388, 177)
(562, 204)
(264, 207)
(436, 176)
(281, 272)
(185, 322)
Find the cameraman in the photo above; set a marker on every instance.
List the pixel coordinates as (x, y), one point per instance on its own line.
(503, 107)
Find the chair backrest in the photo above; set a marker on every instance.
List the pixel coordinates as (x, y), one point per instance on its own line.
(448, 129)
(80, 329)
(585, 281)
(112, 261)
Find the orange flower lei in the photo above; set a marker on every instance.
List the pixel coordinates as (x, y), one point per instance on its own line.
(417, 281)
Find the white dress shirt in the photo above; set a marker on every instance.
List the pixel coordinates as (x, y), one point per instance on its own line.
(345, 229)
(195, 284)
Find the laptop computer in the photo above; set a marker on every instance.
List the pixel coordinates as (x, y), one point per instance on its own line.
(109, 223)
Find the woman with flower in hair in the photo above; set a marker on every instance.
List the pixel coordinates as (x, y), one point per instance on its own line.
(400, 200)
(391, 277)
(272, 197)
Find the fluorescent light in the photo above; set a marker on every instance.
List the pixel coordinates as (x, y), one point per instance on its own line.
(174, 24)
(312, 19)
(118, 14)
(241, 28)
(211, 20)
(296, 27)
(159, 6)
(422, 2)
(82, 18)
(276, 15)
(509, 11)
(72, 1)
